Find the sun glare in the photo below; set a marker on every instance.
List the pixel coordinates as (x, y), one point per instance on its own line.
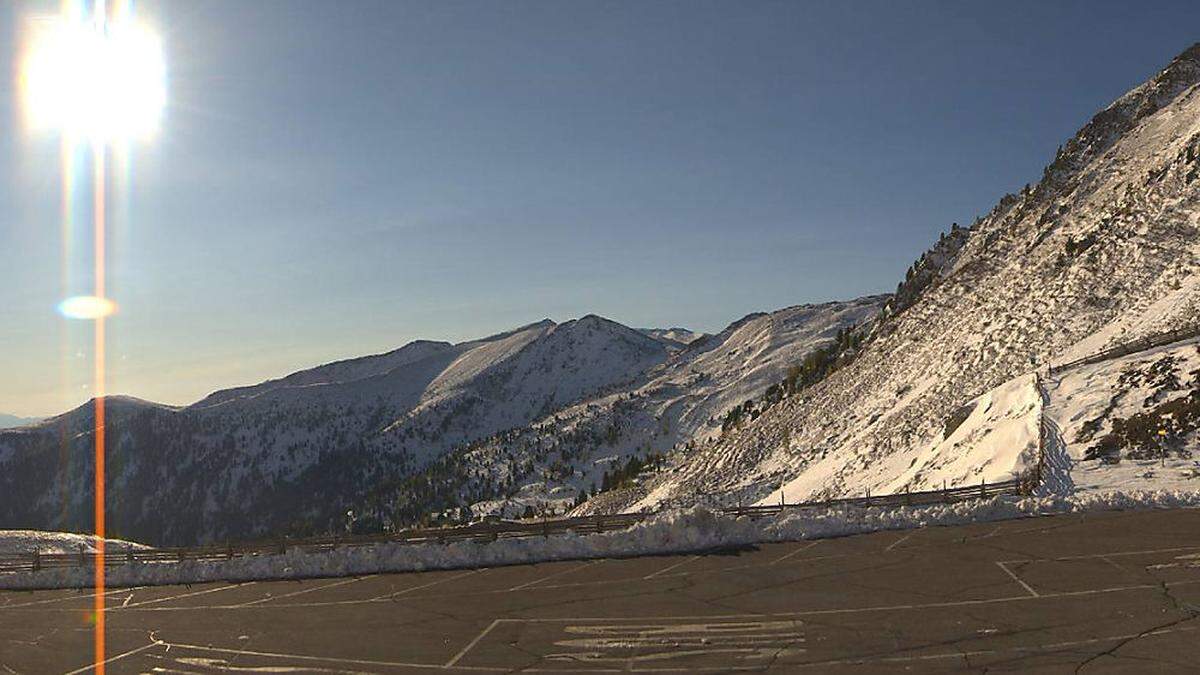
(93, 80)
(87, 307)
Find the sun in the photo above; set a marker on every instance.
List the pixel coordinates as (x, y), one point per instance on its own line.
(96, 80)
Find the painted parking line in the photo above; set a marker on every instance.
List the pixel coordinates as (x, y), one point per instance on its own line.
(388, 596)
(293, 594)
(555, 575)
(91, 667)
(792, 554)
(961, 655)
(899, 541)
(70, 597)
(129, 605)
(670, 567)
(1016, 578)
(1117, 554)
(471, 645)
(180, 646)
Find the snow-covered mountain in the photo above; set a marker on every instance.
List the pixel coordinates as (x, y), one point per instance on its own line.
(676, 405)
(370, 435)
(1104, 248)
(677, 338)
(293, 453)
(10, 421)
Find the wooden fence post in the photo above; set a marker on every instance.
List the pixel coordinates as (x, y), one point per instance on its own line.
(37, 560)
(129, 554)
(982, 488)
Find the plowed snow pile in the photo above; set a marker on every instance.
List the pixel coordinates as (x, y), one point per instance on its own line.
(691, 530)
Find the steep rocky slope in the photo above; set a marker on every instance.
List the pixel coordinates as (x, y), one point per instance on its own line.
(671, 408)
(1105, 247)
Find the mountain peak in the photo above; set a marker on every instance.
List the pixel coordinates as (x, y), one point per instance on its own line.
(1110, 124)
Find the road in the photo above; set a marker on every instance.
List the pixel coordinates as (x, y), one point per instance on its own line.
(1108, 592)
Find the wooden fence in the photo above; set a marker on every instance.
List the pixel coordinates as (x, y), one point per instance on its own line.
(1124, 349)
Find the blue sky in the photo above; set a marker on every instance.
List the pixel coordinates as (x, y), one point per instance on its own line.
(337, 178)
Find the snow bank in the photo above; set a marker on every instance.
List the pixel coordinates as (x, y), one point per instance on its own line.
(673, 532)
(995, 442)
(28, 541)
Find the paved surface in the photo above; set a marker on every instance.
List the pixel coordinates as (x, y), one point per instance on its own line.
(1110, 592)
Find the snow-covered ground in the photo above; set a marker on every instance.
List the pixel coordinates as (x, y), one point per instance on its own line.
(1086, 401)
(13, 542)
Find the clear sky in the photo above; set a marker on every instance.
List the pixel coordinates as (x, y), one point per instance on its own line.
(333, 179)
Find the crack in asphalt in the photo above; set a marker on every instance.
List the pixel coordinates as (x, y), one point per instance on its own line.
(1191, 612)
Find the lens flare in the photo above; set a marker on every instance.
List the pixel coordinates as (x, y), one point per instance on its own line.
(104, 82)
(97, 77)
(87, 307)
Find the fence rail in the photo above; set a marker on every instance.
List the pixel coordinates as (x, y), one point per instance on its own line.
(1125, 349)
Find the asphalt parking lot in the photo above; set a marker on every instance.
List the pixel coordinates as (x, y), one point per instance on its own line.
(1108, 592)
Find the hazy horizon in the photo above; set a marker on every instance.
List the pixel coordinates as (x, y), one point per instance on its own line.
(336, 180)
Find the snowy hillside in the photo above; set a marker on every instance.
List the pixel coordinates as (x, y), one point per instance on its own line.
(1105, 247)
(676, 338)
(681, 403)
(1132, 423)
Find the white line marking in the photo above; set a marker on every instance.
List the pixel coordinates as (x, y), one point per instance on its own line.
(92, 666)
(879, 608)
(1091, 556)
(471, 645)
(994, 532)
(556, 574)
(985, 652)
(798, 551)
(1110, 561)
(899, 541)
(303, 657)
(392, 595)
(1017, 579)
(69, 597)
(670, 567)
(343, 582)
(127, 604)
